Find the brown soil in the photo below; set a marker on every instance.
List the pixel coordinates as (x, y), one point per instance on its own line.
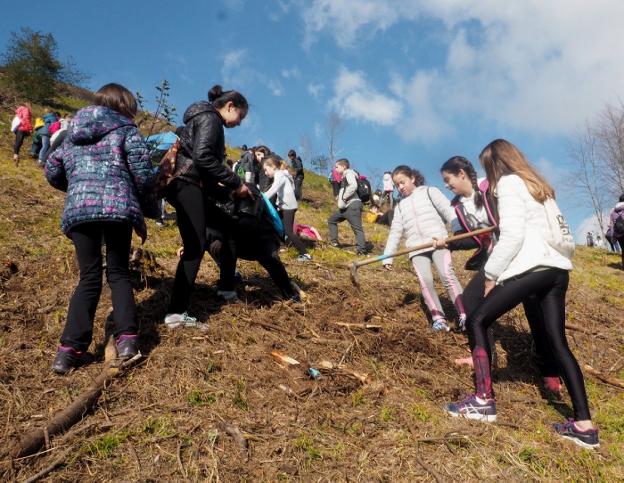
(176, 415)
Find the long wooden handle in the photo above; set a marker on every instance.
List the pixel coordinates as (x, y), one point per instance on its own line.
(405, 250)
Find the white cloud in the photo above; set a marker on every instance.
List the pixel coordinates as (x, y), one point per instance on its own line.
(292, 73)
(233, 62)
(237, 72)
(315, 89)
(355, 99)
(541, 67)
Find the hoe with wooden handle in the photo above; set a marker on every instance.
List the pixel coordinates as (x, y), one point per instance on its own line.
(357, 264)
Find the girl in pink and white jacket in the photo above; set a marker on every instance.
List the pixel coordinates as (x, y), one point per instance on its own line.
(421, 217)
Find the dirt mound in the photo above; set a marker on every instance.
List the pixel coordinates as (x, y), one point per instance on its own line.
(219, 405)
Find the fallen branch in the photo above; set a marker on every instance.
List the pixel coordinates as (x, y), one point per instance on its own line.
(49, 469)
(33, 441)
(604, 378)
(373, 327)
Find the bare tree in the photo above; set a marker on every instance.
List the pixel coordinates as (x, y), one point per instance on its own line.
(609, 131)
(334, 127)
(588, 174)
(306, 149)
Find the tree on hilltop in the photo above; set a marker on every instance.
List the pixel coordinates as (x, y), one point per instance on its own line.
(31, 66)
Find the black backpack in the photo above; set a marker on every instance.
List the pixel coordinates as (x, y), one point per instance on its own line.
(618, 225)
(364, 189)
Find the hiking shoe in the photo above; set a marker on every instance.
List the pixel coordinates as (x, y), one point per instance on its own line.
(127, 346)
(184, 320)
(228, 295)
(440, 325)
(334, 244)
(68, 358)
(473, 408)
(305, 257)
(16, 159)
(585, 439)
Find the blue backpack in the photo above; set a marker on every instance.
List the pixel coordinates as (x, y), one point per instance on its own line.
(276, 221)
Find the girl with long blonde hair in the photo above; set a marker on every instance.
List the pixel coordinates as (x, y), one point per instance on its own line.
(523, 267)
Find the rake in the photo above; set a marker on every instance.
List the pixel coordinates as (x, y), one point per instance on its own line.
(353, 268)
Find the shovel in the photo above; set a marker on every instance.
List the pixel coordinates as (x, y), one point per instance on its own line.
(357, 264)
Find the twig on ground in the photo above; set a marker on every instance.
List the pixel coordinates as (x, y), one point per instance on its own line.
(603, 377)
(49, 469)
(179, 460)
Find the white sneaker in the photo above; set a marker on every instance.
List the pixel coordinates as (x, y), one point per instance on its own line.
(228, 295)
(184, 320)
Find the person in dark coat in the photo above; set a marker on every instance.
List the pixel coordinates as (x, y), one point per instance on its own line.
(200, 168)
(297, 165)
(104, 168)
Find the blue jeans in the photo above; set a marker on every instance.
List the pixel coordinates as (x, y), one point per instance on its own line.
(45, 145)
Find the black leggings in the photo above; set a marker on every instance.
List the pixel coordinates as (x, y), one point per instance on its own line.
(472, 298)
(620, 241)
(288, 218)
(19, 140)
(87, 239)
(543, 293)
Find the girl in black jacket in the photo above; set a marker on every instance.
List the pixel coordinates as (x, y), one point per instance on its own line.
(199, 168)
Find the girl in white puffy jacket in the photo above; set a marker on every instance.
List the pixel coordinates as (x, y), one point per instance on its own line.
(526, 266)
(421, 217)
(284, 187)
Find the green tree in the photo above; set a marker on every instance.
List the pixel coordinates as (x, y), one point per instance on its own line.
(31, 66)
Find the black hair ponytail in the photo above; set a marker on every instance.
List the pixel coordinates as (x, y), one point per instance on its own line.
(219, 98)
(458, 163)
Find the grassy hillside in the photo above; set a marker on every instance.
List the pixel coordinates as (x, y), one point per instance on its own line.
(164, 420)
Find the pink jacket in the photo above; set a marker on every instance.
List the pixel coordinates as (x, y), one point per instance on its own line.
(24, 114)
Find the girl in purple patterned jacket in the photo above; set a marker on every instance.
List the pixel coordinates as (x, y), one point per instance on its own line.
(104, 167)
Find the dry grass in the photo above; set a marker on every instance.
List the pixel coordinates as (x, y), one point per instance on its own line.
(166, 419)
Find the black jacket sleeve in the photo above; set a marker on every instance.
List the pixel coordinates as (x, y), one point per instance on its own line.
(209, 151)
(465, 244)
(297, 165)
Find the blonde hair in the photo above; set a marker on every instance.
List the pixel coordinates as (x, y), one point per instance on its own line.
(276, 162)
(500, 157)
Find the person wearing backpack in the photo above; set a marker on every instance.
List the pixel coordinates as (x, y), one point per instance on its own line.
(421, 216)
(22, 127)
(349, 207)
(251, 236)
(104, 168)
(616, 225)
(283, 188)
(475, 207)
(200, 159)
(49, 118)
(297, 165)
(526, 264)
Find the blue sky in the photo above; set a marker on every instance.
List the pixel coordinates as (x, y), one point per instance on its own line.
(415, 81)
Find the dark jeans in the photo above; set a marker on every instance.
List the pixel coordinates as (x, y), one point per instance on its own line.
(620, 241)
(298, 185)
(353, 214)
(288, 218)
(45, 146)
(543, 293)
(87, 239)
(269, 261)
(19, 140)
